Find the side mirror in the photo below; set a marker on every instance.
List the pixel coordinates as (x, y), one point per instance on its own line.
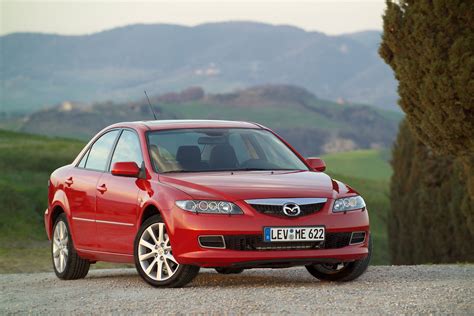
(125, 169)
(316, 163)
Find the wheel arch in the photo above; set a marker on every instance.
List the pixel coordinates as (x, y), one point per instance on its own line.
(56, 209)
(148, 211)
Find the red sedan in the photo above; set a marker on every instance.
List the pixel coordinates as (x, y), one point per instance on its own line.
(174, 196)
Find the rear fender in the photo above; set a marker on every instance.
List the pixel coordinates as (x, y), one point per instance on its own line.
(59, 204)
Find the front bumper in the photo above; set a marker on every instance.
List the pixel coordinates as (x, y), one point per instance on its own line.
(187, 227)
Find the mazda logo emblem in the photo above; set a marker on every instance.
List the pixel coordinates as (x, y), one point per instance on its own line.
(291, 209)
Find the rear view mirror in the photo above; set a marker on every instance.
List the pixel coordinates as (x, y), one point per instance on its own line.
(316, 163)
(125, 169)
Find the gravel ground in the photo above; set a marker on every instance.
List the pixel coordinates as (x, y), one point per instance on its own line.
(431, 289)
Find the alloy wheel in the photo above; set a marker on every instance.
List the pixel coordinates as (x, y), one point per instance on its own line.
(155, 254)
(60, 246)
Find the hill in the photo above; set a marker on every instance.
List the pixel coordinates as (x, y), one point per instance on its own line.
(118, 64)
(311, 124)
(26, 162)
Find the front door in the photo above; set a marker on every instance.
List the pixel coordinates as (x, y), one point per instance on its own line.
(117, 199)
(81, 188)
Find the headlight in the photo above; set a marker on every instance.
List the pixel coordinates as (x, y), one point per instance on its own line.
(209, 207)
(348, 204)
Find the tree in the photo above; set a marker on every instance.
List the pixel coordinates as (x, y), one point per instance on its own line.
(431, 218)
(430, 46)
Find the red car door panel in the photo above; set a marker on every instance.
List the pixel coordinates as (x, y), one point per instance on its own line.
(80, 191)
(117, 207)
(117, 199)
(81, 188)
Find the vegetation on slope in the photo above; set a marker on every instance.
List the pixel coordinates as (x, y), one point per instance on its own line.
(311, 124)
(368, 172)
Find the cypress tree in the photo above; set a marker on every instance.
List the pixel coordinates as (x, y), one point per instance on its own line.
(430, 46)
(431, 218)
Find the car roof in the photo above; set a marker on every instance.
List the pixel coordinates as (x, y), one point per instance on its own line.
(178, 124)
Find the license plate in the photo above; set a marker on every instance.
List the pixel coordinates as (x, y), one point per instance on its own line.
(313, 233)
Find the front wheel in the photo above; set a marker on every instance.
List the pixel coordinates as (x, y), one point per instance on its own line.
(154, 258)
(341, 272)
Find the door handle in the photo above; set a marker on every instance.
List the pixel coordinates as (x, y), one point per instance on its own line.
(69, 181)
(102, 188)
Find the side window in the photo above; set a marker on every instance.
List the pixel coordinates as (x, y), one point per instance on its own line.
(82, 163)
(100, 150)
(128, 149)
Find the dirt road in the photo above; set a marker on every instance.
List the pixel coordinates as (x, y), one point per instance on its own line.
(383, 289)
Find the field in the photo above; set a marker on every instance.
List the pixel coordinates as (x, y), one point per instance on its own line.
(368, 172)
(27, 160)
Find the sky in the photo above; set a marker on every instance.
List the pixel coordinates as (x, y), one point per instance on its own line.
(71, 17)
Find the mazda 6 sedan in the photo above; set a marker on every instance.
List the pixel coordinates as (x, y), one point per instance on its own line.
(174, 196)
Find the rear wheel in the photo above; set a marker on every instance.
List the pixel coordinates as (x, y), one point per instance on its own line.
(154, 258)
(229, 270)
(341, 272)
(66, 262)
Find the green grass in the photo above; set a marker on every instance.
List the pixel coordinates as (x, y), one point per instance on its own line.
(368, 172)
(26, 162)
(365, 164)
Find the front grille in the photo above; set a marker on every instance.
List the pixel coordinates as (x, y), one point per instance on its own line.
(255, 242)
(306, 209)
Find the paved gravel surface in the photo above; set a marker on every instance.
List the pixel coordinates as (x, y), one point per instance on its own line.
(437, 289)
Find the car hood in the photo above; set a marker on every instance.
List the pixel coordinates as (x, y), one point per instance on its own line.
(243, 185)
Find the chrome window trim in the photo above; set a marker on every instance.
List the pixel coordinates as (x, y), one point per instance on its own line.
(283, 201)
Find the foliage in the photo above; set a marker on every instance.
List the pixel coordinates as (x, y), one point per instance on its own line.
(432, 217)
(430, 46)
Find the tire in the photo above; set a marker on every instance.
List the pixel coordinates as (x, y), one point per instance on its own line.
(349, 271)
(67, 264)
(154, 259)
(229, 270)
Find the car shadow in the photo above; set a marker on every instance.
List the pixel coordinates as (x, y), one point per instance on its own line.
(210, 278)
(254, 278)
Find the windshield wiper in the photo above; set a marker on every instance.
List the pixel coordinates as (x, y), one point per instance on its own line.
(263, 169)
(181, 171)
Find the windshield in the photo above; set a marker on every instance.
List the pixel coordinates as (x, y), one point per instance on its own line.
(220, 149)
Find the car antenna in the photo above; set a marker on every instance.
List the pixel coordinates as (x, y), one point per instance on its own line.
(149, 103)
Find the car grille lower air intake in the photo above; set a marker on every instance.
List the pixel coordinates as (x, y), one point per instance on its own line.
(255, 242)
(288, 207)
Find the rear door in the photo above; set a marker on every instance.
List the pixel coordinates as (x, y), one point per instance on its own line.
(117, 200)
(81, 187)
